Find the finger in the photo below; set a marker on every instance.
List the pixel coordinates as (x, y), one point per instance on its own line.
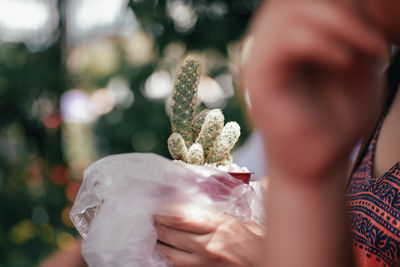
(310, 45)
(255, 228)
(197, 226)
(346, 26)
(179, 239)
(177, 257)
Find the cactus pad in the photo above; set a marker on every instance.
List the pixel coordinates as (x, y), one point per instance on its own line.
(211, 128)
(184, 97)
(177, 147)
(223, 144)
(198, 121)
(196, 154)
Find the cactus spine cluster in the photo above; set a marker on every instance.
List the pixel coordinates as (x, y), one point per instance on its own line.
(201, 138)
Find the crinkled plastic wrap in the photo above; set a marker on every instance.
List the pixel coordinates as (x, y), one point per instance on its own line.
(119, 195)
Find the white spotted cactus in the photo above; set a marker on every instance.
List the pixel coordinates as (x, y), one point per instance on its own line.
(177, 147)
(211, 128)
(223, 144)
(184, 96)
(198, 121)
(196, 154)
(201, 138)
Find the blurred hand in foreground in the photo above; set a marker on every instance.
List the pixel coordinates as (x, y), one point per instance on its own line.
(68, 258)
(217, 241)
(313, 72)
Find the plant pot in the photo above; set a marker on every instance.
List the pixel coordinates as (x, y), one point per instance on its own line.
(243, 176)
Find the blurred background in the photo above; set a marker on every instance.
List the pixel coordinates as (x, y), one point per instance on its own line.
(81, 79)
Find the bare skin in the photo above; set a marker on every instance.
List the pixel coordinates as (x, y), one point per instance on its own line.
(186, 242)
(388, 147)
(69, 258)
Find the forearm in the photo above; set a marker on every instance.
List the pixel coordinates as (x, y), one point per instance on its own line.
(307, 221)
(68, 258)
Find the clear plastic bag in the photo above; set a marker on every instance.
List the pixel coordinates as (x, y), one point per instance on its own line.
(119, 195)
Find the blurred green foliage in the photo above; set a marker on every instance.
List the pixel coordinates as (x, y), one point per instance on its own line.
(33, 195)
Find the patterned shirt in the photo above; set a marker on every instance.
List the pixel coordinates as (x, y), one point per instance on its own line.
(374, 209)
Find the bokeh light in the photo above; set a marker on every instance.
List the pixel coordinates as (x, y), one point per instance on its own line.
(108, 17)
(158, 85)
(101, 101)
(93, 58)
(120, 92)
(65, 216)
(59, 175)
(31, 21)
(76, 107)
(40, 215)
(211, 93)
(47, 233)
(22, 232)
(65, 241)
(139, 47)
(183, 15)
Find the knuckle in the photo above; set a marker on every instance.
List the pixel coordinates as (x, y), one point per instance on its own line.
(220, 256)
(225, 229)
(228, 227)
(213, 251)
(213, 247)
(202, 244)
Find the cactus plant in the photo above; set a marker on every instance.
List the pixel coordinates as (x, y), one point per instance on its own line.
(201, 138)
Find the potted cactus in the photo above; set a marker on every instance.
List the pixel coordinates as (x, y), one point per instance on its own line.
(200, 138)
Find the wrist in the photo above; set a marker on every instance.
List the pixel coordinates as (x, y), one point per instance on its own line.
(311, 210)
